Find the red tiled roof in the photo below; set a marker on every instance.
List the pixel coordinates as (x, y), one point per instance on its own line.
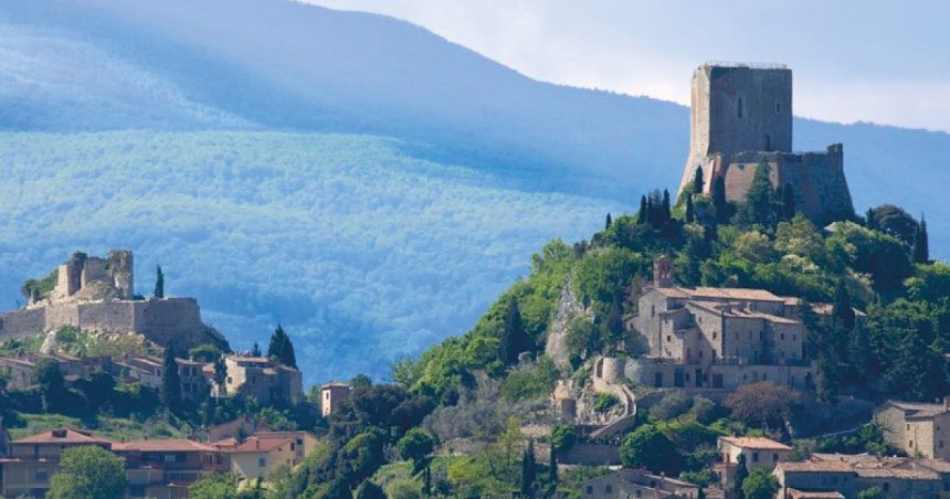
(253, 444)
(760, 443)
(62, 436)
(162, 445)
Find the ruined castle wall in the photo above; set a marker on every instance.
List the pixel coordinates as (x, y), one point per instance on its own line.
(61, 315)
(170, 319)
(117, 316)
(121, 267)
(94, 270)
(23, 322)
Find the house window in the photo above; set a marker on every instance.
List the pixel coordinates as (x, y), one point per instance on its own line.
(715, 334)
(910, 443)
(774, 458)
(262, 462)
(755, 457)
(778, 107)
(669, 338)
(652, 310)
(609, 489)
(908, 426)
(41, 476)
(739, 108)
(782, 336)
(887, 487)
(589, 490)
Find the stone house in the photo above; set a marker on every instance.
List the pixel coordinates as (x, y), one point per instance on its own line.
(31, 461)
(919, 429)
(164, 468)
(265, 379)
(845, 476)
(718, 338)
(331, 396)
(260, 454)
(759, 452)
(637, 483)
(19, 373)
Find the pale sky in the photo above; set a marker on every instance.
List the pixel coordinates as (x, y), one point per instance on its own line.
(869, 60)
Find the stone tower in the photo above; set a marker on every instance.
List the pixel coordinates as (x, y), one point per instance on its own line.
(741, 117)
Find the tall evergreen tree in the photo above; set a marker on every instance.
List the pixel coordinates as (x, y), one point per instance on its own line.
(642, 215)
(870, 221)
(221, 375)
(719, 199)
(861, 355)
(758, 206)
(921, 243)
(608, 222)
(698, 181)
(843, 311)
(514, 339)
(788, 202)
(615, 319)
(159, 282)
(741, 474)
(256, 350)
(171, 382)
(667, 211)
(281, 348)
(552, 467)
(528, 471)
(690, 216)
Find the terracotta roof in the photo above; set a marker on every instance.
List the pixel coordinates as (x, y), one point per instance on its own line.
(253, 444)
(162, 445)
(63, 436)
(674, 292)
(737, 294)
(760, 443)
(916, 473)
(335, 384)
(938, 465)
(814, 494)
(815, 466)
(920, 410)
(250, 360)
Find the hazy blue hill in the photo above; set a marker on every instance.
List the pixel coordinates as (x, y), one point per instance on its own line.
(345, 239)
(409, 181)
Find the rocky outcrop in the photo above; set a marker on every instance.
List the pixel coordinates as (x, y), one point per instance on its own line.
(569, 307)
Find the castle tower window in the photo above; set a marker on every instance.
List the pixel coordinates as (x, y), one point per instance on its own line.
(768, 142)
(739, 108)
(778, 107)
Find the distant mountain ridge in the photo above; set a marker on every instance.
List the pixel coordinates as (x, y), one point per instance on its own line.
(90, 69)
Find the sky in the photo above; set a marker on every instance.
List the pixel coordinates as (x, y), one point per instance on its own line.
(868, 60)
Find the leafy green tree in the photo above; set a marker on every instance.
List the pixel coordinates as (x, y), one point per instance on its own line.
(281, 348)
(871, 493)
(701, 493)
(698, 180)
(648, 447)
(760, 484)
(563, 437)
(205, 352)
(171, 381)
(514, 339)
(921, 249)
(369, 490)
(159, 282)
(896, 222)
(52, 384)
(88, 472)
(742, 472)
(528, 471)
(416, 445)
(215, 486)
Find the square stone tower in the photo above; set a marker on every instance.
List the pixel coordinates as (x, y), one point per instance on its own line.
(738, 108)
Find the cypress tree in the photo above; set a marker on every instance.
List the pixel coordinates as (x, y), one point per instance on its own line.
(171, 383)
(608, 222)
(861, 355)
(758, 204)
(701, 494)
(615, 319)
(843, 312)
(741, 473)
(667, 214)
(552, 466)
(643, 214)
(698, 181)
(159, 282)
(921, 244)
(514, 339)
(256, 350)
(528, 471)
(870, 220)
(719, 199)
(788, 202)
(281, 348)
(690, 217)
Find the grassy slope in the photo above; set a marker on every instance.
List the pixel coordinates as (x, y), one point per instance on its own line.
(365, 252)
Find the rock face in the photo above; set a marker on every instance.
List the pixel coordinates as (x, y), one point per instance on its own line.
(741, 117)
(568, 308)
(97, 294)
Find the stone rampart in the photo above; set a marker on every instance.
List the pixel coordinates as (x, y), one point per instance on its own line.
(22, 323)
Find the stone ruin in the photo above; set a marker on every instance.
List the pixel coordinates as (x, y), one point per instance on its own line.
(98, 294)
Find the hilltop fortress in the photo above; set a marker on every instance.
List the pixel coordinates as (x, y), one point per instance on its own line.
(98, 294)
(741, 117)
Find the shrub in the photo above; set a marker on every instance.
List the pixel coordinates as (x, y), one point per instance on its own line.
(672, 405)
(563, 437)
(604, 401)
(648, 447)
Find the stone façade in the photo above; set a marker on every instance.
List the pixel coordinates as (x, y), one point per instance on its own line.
(741, 117)
(97, 294)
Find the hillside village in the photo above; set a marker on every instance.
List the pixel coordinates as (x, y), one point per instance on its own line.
(752, 339)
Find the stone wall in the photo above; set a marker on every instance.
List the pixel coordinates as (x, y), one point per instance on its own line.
(23, 323)
(659, 374)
